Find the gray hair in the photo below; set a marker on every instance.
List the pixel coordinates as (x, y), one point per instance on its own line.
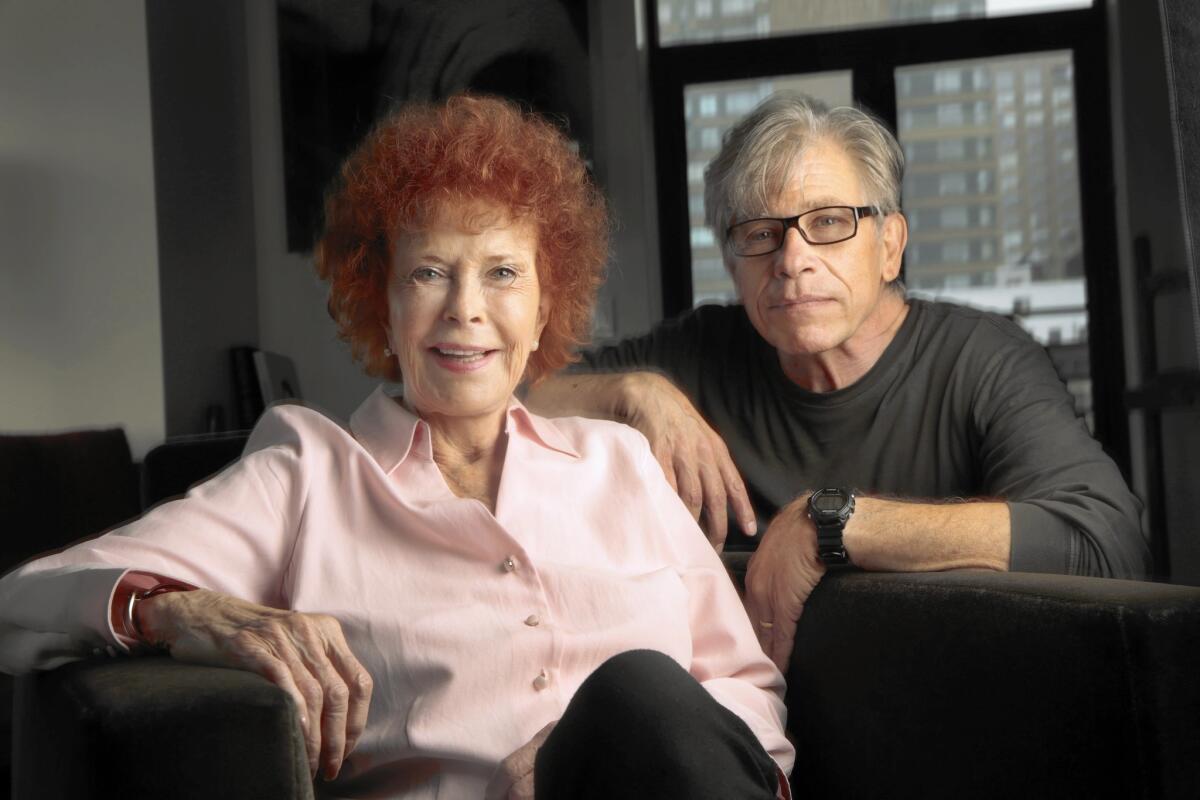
(754, 164)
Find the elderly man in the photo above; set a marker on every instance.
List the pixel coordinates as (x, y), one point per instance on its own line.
(871, 429)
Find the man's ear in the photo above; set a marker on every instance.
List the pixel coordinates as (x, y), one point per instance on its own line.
(895, 238)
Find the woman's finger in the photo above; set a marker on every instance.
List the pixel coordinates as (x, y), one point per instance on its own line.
(310, 636)
(357, 681)
(259, 660)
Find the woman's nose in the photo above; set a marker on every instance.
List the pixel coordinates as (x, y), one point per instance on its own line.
(464, 301)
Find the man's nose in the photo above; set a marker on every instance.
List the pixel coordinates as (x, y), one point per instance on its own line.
(795, 255)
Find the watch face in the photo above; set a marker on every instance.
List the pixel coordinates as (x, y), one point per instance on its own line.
(829, 502)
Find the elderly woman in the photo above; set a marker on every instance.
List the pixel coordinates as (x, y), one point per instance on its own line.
(462, 598)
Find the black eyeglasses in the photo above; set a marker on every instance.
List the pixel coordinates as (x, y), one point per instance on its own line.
(828, 225)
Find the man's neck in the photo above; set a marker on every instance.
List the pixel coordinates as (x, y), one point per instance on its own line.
(843, 365)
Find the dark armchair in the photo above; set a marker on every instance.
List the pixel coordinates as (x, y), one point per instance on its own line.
(951, 685)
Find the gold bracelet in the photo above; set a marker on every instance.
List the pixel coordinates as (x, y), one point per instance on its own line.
(131, 626)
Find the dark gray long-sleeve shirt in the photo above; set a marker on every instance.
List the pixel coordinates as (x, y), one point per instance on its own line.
(962, 404)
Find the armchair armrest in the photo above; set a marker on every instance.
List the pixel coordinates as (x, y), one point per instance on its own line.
(153, 727)
(974, 684)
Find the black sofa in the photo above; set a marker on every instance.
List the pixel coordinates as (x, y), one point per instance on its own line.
(966, 684)
(952, 685)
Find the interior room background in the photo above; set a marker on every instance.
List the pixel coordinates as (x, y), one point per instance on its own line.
(161, 163)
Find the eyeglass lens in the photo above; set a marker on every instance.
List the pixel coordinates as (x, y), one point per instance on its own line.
(819, 226)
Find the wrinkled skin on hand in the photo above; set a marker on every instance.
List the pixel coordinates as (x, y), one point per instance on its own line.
(513, 779)
(692, 455)
(781, 575)
(306, 655)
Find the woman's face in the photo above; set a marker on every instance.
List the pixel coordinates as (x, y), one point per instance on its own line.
(464, 311)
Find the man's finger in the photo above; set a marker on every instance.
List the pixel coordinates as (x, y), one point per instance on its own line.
(783, 638)
(523, 788)
(714, 505)
(735, 491)
(688, 480)
(667, 461)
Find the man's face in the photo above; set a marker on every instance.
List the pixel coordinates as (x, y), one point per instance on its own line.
(807, 299)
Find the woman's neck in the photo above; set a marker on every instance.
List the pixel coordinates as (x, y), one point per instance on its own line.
(469, 452)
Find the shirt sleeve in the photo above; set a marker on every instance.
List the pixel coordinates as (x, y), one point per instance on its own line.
(727, 659)
(673, 347)
(1071, 511)
(233, 533)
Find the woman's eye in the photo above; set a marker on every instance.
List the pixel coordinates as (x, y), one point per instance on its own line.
(504, 274)
(424, 275)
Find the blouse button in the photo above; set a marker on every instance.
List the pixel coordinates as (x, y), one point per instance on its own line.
(541, 681)
(532, 620)
(509, 564)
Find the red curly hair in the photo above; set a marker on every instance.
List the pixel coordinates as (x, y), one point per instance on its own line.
(427, 157)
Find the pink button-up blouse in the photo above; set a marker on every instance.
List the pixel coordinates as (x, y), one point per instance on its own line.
(476, 628)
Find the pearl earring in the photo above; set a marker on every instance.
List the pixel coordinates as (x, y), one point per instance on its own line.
(387, 351)
(535, 344)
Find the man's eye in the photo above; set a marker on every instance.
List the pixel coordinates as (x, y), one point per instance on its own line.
(828, 222)
(760, 235)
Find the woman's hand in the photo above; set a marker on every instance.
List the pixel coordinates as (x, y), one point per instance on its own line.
(304, 654)
(692, 455)
(513, 779)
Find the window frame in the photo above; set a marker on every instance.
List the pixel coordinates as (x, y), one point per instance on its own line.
(873, 55)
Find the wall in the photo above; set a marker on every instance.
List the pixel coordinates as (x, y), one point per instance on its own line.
(631, 299)
(205, 203)
(79, 316)
(291, 310)
(1149, 205)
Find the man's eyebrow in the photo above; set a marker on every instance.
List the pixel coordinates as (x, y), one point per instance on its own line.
(809, 205)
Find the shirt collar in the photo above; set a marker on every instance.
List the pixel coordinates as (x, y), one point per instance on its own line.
(389, 431)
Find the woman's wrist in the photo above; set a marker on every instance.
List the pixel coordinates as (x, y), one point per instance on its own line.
(128, 604)
(146, 614)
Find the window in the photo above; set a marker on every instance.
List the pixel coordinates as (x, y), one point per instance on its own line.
(951, 183)
(708, 105)
(785, 17)
(968, 197)
(950, 114)
(946, 81)
(951, 150)
(955, 217)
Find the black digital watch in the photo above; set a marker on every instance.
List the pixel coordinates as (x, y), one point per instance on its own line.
(830, 510)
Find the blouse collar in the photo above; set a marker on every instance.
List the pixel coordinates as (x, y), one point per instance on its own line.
(390, 432)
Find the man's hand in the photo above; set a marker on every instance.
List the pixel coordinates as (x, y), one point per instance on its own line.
(513, 779)
(304, 654)
(692, 455)
(782, 574)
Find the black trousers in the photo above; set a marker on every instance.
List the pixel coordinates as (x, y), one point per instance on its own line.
(641, 727)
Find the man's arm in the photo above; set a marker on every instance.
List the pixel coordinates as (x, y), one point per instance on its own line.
(881, 535)
(693, 457)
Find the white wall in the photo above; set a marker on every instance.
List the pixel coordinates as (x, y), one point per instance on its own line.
(291, 314)
(79, 307)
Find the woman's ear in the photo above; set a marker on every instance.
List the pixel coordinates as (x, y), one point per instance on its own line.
(543, 315)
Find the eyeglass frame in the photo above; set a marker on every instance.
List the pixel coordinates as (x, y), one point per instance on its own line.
(794, 222)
